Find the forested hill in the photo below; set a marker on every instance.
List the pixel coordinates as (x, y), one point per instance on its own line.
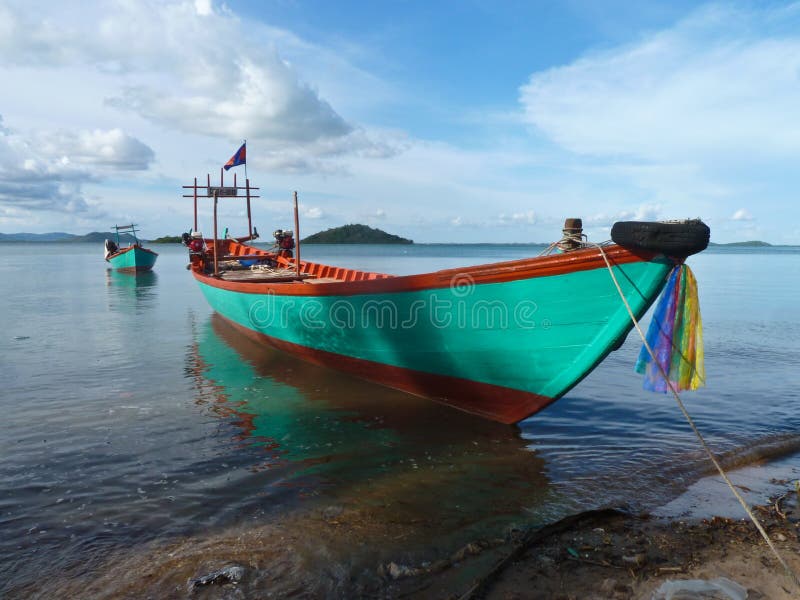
(355, 234)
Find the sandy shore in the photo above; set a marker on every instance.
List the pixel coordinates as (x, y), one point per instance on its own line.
(338, 552)
(618, 556)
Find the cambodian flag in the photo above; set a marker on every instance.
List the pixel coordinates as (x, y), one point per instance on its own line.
(239, 158)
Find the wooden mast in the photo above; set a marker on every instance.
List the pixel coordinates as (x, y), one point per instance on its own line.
(216, 246)
(297, 237)
(249, 216)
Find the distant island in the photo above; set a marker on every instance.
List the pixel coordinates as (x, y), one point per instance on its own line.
(167, 239)
(750, 244)
(99, 237)
(355, 234)
(58, 236)
(55, 236)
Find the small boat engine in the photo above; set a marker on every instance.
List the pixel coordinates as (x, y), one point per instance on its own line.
(111, 248)
(196, 243)
(284, 240)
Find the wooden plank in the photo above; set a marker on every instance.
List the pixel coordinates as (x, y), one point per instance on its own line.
(323, 280)
(245, 257)
(247, 276)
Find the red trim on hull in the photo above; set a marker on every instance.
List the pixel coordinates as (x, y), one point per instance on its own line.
(494, 402)
(526, 268)
(128, 249)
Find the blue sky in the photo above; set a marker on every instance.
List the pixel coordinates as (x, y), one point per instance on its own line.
(468, 121)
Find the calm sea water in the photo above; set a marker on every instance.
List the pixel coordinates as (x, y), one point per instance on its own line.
(130, 414)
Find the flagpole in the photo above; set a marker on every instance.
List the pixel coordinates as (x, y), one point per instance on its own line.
(245, 159)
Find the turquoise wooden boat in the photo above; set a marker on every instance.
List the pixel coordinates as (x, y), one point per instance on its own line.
(134, 258)
(502, 340)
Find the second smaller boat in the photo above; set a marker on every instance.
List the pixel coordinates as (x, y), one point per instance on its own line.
(134, 258)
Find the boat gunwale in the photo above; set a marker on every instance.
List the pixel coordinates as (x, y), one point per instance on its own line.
(501, 272)
(122, 251)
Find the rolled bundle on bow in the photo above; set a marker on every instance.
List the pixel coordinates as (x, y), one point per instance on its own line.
(675, 336)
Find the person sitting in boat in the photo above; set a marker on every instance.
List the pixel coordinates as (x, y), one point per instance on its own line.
(284, 240)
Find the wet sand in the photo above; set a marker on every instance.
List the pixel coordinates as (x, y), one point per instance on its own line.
(631, 557)
(356, 551)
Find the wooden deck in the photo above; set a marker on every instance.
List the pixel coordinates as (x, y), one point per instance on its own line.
(273, 275)
(270, 267)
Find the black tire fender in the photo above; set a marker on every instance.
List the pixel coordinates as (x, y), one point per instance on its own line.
(673, 238)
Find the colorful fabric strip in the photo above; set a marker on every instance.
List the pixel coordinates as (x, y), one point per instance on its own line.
(675, 336)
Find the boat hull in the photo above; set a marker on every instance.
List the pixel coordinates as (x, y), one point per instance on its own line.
(500, 341)
(133, 259)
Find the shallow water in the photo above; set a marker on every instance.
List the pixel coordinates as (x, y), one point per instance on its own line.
(130, 413)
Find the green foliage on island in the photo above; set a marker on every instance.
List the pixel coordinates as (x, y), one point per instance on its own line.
(355, 234)
(167, 239)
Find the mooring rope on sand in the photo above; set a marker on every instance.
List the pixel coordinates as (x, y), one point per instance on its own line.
(791, 574)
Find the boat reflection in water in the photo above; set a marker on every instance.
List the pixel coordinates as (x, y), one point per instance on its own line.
(124, 279)
(132, 289)
(345, 441)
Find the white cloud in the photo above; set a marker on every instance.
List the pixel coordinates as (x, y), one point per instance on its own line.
(643, 212)
(46, 170)
(528, 217)
(720, 85)
(203, 7)
(696, 119)
(260, 99)
(313, 212)
(195, 68)
(742, 215)
(95, 149)
(326, 156)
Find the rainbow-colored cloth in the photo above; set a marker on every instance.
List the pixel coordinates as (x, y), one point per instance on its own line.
(675, 336)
